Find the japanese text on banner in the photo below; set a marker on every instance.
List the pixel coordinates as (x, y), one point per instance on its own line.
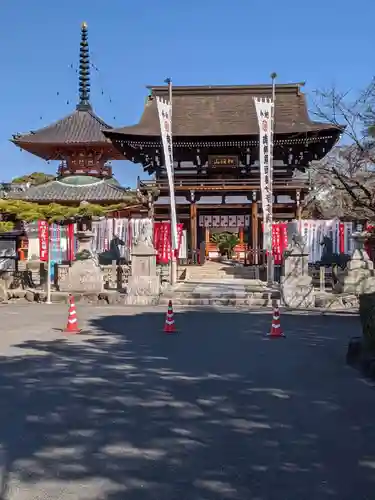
(43, 240)
(264, 109)
(165, 119)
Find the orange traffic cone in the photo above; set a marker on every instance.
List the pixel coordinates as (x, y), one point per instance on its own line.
(72, 325)
(169, 326)
(276, 331)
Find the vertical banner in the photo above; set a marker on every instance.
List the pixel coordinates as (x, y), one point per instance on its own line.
(162, 241)
(341, 237)
(43, 240)
(165, 120)
(264, 110)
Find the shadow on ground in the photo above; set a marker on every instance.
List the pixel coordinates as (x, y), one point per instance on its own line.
(215, 412)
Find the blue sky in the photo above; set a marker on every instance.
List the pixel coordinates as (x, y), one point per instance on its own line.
(137, 43)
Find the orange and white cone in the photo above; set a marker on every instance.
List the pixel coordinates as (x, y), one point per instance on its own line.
(169, 326)
(276, 331)
(72, 325)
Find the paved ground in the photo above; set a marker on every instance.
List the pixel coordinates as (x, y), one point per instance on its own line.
(215, 412)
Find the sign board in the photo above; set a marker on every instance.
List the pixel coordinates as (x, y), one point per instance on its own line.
(223, 161)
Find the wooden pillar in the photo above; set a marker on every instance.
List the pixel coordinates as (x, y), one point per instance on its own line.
(240, 235)
(298, 205)
(254, 226)
(193, 226)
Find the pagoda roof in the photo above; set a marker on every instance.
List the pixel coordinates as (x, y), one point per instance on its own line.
(77, 188)
(80, 128)
(224, 111)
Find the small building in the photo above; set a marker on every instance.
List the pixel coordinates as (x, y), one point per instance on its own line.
(216, 157)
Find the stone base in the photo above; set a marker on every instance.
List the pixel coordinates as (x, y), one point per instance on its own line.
(336, 302)
(105, 297)
(143, 290)
(3, 293)
(359, 285)
(298, 296)
(83, 276)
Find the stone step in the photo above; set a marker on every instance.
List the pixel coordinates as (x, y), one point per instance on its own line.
(251, 294)
(221, 274)
(218, 301)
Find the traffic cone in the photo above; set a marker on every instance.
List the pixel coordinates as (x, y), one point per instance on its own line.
(276, 331)
(169, 326)
(72, 324)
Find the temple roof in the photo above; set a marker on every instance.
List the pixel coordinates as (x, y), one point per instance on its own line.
(225, 111)
(82, 127)
(76, 188)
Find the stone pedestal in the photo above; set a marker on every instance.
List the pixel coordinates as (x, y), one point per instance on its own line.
(296, 284)
(358, 276)
(84, 276)
(143, 284)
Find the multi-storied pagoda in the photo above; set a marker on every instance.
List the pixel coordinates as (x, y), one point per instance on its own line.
(216, 156)
(78, 143)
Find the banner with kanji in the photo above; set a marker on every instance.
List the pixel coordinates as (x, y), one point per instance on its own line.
(165, 120)
(43, 240)
(264, 110)
(162, 241)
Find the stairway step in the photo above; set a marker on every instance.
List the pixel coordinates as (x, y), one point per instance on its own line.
(218, 301)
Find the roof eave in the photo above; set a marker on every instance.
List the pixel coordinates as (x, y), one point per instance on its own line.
(134, 134)
(212, 89)
(29, 147)
(47, 151)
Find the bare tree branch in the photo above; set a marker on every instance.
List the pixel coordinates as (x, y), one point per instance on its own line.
(344, 181)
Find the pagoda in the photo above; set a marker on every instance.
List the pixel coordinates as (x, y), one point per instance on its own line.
(84, 152)
(216, 157)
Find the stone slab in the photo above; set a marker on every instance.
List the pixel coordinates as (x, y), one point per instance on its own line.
(83, 276)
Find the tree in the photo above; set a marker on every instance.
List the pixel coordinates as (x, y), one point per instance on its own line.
(35, 179)
(339, 188)
(345, 178)
(54, 212)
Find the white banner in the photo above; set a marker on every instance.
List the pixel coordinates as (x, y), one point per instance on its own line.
(165, 119)
(264, 109)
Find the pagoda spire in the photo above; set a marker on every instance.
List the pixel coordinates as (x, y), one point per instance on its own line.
(84, 71)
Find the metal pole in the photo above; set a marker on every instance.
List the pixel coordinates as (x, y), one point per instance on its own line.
(270, 260)
(48, 299)
(168, 81)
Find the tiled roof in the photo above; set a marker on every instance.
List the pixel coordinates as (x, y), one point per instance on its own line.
(76, 189)
(224, 111)
(82, 126)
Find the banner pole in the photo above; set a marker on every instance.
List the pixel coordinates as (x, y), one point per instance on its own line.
(270, 260)
(173, 276)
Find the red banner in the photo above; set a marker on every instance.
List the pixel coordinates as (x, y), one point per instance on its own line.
(70, 242)
(43, 240)
(162, 241)
(341, 238)
(279, 241)
(369, 248)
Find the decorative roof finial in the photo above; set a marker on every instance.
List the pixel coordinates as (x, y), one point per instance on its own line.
(84, 71)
